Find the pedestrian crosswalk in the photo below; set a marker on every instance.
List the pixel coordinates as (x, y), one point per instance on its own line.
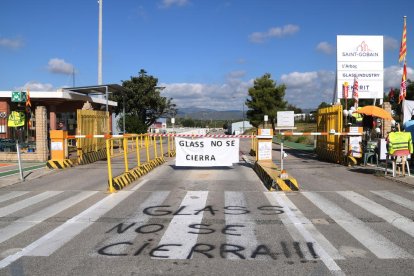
(171, 224)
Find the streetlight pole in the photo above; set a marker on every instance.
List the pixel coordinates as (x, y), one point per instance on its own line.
(100, 44)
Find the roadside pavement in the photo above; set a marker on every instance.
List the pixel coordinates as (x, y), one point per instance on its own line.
(379, 171)
(10, 174)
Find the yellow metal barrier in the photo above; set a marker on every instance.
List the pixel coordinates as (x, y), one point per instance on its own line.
(133, 143)
(329, 147)
(96, 123)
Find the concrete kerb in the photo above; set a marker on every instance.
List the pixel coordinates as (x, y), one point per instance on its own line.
(273, 178)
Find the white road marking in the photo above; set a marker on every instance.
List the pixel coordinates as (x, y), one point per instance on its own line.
(9, 209)
(53, 240)
(289, 219)
(244, 224)
(396, 198)
(404, 224)
(12, 195)
(376, 243)
(177, 234)
(26, 223)
(139, 185)
(139, 218)
(308, 225)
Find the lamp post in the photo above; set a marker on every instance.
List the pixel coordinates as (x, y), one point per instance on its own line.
(100, 44)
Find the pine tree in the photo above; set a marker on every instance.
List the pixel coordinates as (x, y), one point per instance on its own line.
(266, 98)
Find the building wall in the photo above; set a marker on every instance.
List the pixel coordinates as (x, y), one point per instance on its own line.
(238, 127)
(4, 108)
(42, 153)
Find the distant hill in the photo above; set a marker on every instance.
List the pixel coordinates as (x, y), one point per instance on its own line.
(209, 114)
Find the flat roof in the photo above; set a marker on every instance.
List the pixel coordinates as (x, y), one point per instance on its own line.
(67, 95)
(96, 89)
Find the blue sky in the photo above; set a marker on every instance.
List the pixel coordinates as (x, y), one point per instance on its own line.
(205, 52)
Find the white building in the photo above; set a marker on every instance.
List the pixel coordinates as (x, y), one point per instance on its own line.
(239, 127)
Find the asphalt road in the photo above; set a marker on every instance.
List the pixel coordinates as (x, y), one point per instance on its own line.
(209, 221)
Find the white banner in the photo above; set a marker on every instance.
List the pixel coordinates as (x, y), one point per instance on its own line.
(206, 152)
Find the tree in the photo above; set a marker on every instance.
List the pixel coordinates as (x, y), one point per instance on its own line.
(266, 98)
(143, 102)
(323, 105)
(294, 108)
(393, 98)
(187, 122)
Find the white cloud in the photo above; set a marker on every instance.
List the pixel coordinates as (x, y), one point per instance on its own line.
(325, 47)
(60, 66)
(390, 43)
(309, 89)
(169, 3)
(229, 95)
(278, 32)
(11, 43)
(36, 86)
(303, 89)
(393, 74)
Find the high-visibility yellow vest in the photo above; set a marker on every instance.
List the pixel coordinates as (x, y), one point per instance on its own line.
(16, 119)
(399, 141)
(358, 117)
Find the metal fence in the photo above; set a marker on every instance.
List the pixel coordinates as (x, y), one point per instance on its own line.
(329, 147)
(91, 122)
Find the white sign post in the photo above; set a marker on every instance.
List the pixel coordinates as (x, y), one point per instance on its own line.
(362, 57)
(285, 118)
(206, 152)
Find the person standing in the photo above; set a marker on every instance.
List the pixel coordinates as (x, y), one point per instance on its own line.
(61, 126)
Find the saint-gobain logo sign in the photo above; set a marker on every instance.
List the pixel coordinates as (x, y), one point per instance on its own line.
(361, 57)
(362, 50)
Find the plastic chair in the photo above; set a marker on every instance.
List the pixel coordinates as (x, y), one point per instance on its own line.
(370, 152)
(397, 160)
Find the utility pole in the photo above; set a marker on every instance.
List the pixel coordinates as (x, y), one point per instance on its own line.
(100, 44)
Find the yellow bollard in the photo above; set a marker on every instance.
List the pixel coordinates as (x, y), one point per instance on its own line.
(111, 188)
(155, 147)
(79, 151)
(161, 149)
(168, 145)
(138, 152)
(126, 153)
(147, 147)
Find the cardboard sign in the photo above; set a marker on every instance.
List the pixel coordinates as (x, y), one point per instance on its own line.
(206, 152)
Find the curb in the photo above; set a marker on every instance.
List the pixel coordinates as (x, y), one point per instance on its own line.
(273, 179)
